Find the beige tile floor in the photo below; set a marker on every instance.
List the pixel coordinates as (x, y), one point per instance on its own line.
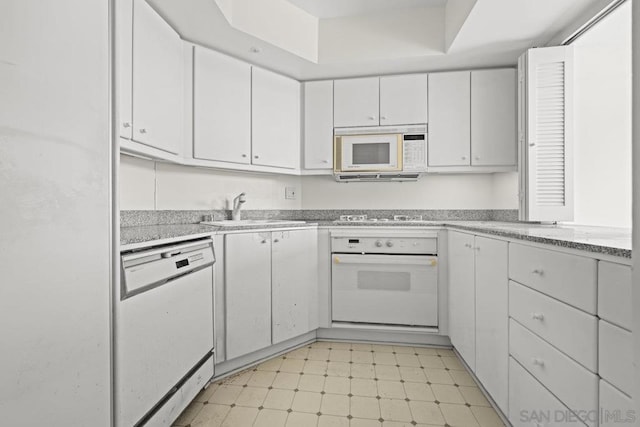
(328, 384)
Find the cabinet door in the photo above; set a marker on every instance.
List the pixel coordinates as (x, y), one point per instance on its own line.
(294, 283)
(318, 124)
(403, 99)
(221, 107)
(492, 318)
(462, 328)
(247, 292)
(275, 125)
(158, 82)
(356, 101)
(450, 119)
(493, 117)
(124, 32)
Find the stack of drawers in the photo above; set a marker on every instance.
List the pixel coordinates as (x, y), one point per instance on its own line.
(615, 348)
(565, 362)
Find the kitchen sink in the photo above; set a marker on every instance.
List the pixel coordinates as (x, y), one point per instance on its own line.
(232, 223)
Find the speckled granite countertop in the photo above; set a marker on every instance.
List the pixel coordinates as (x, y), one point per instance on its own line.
(604, 240)
(143, 235)
(160, 234)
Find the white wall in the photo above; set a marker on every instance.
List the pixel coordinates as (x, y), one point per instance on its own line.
(147, 185)
(55, 165)
(603, 122)
(498, 191)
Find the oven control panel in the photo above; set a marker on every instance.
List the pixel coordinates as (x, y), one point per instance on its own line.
(385, 245)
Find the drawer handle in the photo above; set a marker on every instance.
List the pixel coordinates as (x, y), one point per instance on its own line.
(537, 361)
(537, 316)
(539, 272)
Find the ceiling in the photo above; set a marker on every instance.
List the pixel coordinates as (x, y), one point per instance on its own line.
(346, 8)
(320, 39)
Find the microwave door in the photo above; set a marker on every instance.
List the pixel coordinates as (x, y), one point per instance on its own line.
(372, 153)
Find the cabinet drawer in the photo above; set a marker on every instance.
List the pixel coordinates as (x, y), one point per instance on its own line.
(616, 408)
(616, 356)
(569, 278)
(572, 331)
(614, 293)
(532, 405)
(575, 386)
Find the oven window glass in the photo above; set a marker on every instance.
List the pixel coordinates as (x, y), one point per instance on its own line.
(384, 280)
(373, 153)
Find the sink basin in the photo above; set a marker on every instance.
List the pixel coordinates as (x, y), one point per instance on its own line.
(231, 223)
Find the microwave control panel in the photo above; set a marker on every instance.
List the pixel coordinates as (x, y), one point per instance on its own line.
(414, 153)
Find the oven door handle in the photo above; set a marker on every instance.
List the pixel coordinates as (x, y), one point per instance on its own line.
(419, 260)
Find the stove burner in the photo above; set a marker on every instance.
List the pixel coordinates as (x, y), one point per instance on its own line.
(363, 218)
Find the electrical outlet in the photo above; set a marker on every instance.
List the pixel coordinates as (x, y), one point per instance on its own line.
(290, 193)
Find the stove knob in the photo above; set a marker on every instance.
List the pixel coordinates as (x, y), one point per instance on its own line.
(389, 243)
(378, 243)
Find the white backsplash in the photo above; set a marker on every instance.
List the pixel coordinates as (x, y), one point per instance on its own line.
(464, 191)
(147, 185)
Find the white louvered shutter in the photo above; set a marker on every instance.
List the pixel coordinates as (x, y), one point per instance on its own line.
(546, 134)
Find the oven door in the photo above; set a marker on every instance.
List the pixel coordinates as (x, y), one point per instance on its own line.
(369, 153)
(385, 289)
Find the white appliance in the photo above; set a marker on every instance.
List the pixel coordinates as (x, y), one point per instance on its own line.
(380, 153)
(164, 332)
(384, 277)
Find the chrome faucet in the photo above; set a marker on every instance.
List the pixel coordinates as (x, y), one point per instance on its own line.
(237, 204)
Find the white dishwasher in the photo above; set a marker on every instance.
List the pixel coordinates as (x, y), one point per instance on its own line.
(163, 331)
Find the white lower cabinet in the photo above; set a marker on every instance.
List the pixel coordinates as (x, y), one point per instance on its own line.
(523, 319)
(616, 356)
(247, 292)
(294, 288)
(574, 385)
(270, 288)
(478, 309)
(614, 293)
(572, 331)
(616, 408)
(531, 404)
(462, 318)
(492, 317)
(567, 277)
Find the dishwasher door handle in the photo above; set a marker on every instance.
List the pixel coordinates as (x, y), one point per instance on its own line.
(170, 254)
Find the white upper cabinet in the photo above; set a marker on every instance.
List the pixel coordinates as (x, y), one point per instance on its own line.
(493, 117)
(545, 117)
(276, 118)
(158, 81)
(449, 119)
(356, 102)
(318, 124)
(472, 120)
(403, 99)
(221, 107)
(380, 101)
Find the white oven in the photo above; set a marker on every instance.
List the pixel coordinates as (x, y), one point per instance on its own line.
(389, 279)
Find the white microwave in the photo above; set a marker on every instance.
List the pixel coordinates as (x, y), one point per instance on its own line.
(380, 150)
